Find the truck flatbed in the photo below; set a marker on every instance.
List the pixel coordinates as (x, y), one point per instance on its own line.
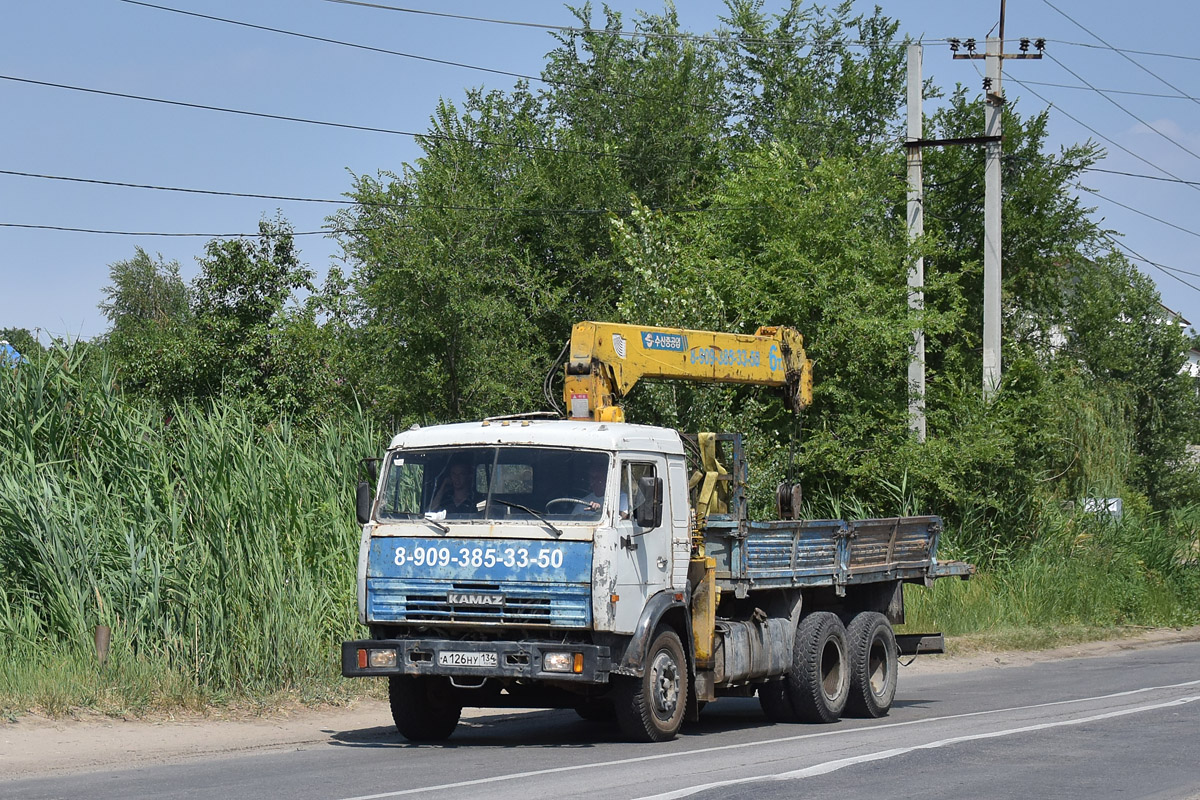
(778, 554)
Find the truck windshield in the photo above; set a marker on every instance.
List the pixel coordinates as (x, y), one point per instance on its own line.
(493, 483)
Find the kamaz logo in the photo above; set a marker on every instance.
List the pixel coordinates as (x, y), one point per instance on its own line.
(468, 599)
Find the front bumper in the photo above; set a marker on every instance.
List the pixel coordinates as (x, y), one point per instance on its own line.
(513, 659)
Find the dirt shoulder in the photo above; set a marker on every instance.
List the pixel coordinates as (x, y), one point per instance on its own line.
(933, 665)
(34, 746)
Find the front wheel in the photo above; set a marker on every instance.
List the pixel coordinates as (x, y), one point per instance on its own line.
(650, 708)
(422, 708)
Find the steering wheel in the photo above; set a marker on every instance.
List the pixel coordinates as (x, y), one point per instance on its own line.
(574, 500)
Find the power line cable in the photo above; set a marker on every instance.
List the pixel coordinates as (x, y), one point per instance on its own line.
(338, 42)
(1168, 271)
(215, 192)
(401, 54)
(325, 123)
(1138, 175)
(349, 126)
(1113, 91)
(1132, 115)
(493, 210)
(1123, 55)
(1137, 211)
(372, 204)
(160, 233)
(1122, 49)
(693, 37)
(465, 17)
(1114, 143)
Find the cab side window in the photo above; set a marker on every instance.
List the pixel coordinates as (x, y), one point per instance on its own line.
(631, 473)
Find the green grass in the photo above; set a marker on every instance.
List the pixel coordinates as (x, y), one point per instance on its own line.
(1082, 578)
(221, 553)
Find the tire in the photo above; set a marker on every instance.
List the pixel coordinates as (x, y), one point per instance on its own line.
(819, 681)
(422, 708)
(775, 701)
(596, 711)
(651, 708)
(873, 665)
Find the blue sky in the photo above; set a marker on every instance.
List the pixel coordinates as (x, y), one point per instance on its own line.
(52, 280)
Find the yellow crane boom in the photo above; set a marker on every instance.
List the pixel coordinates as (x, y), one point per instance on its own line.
(607, 359)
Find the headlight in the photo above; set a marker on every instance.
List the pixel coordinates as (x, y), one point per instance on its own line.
(556, 662)
(562, 662)
(381, 658)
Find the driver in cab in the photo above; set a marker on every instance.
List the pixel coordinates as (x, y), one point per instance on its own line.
(593, 501)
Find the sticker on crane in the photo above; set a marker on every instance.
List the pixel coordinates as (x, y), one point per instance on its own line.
(579, 406)
(653, 340)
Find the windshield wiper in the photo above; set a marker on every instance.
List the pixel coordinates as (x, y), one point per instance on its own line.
(529, 510)
(435, 523)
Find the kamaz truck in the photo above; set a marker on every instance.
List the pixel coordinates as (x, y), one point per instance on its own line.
(612, 568)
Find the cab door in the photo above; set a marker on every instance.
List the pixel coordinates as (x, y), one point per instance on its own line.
(643, 554)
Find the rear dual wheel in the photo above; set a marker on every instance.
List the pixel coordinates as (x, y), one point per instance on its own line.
(817, 684)
(873, 664)
(836, 670)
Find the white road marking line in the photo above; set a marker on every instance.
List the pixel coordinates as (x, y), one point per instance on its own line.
(513, 776)
(833, 766)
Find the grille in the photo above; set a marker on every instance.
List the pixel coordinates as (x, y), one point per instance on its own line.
(527, 604)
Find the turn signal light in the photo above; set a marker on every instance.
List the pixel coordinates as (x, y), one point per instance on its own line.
(577, 667)
(362, 659)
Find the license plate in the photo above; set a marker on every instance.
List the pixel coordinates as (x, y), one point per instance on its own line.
(451, 658)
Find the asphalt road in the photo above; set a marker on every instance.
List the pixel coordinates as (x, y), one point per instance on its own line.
(1120, 726)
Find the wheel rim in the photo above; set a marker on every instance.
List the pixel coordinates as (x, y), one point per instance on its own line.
(877, 668)
(664, 689)
(831, 670)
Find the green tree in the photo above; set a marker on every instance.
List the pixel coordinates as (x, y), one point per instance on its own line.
(144, 290)
(147, 304)
(22, 340)
(239, 301)
(237, 330)
(1135, 350)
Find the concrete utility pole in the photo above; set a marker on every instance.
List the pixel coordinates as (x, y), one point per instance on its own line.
(916, 229)
(994, 99)
(992, 268)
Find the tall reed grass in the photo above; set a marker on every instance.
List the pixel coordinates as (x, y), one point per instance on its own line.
(220, 553)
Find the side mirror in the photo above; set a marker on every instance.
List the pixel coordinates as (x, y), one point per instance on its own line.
(362, 502)
(648, 513)
(372, 467)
